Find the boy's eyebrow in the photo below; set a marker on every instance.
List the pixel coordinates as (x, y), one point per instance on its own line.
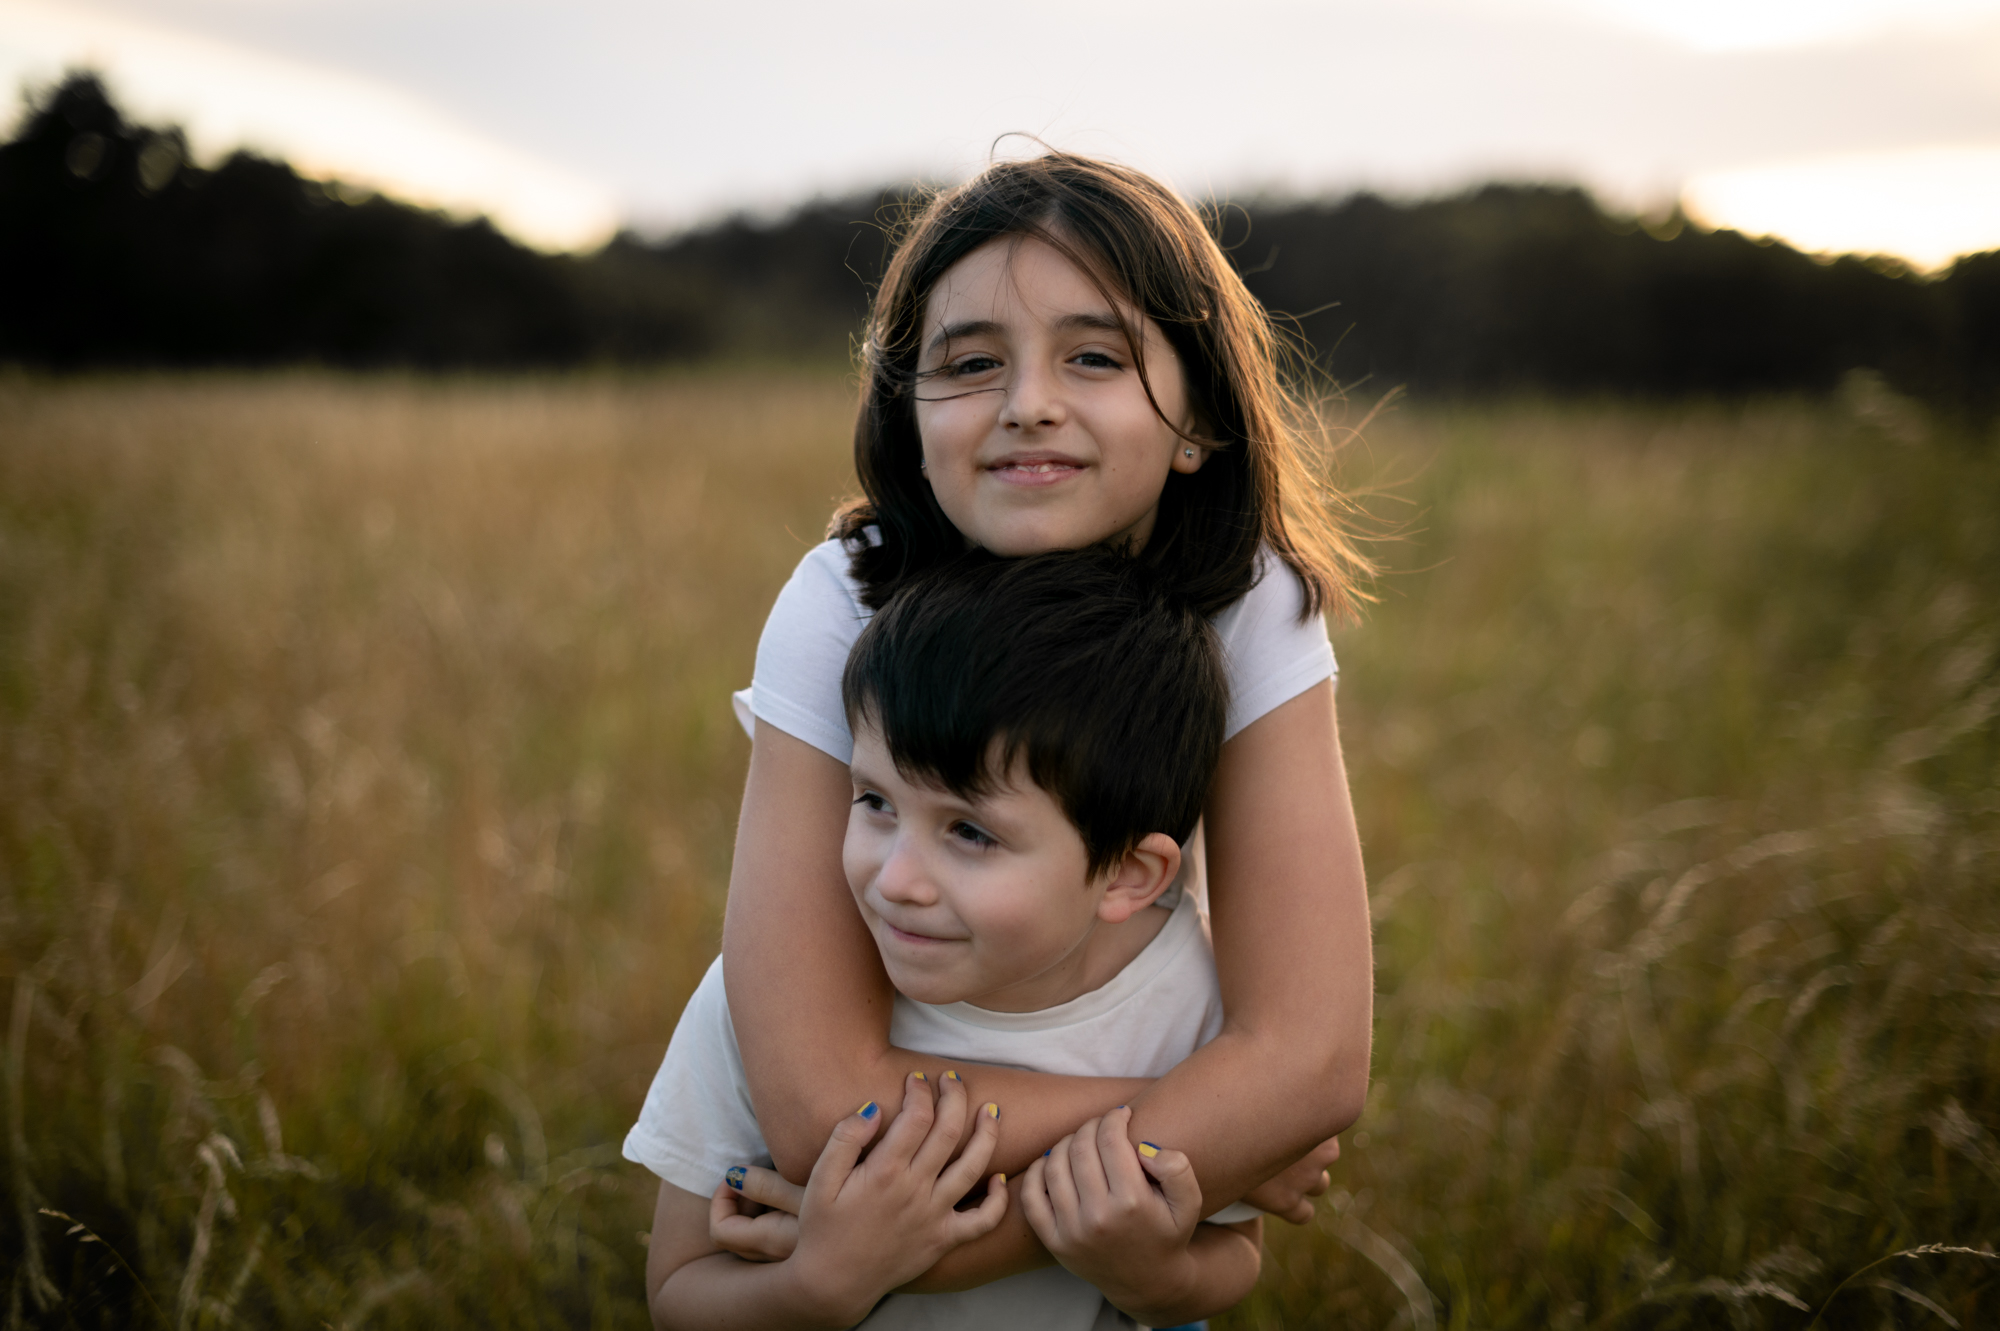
(1097, 320)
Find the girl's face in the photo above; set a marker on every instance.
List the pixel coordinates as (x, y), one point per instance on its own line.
(1037, 432)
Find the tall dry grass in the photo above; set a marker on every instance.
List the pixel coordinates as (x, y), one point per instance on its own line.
(367, 780)
(365, 804)
(1676, 756)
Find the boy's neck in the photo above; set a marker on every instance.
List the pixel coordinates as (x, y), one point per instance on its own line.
(1105, 951)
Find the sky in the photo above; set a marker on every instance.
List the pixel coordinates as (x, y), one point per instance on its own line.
(1837, 125)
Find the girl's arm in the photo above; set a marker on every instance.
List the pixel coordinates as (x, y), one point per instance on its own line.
(1288, 904)
(809, 999)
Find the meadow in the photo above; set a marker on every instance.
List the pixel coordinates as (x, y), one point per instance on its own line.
(367, 786)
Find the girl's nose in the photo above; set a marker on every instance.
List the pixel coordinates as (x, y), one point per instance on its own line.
(1033, 400)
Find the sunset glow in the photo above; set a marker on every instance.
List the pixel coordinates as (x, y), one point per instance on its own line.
(1834, 124)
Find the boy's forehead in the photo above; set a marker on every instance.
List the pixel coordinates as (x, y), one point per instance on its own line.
(1004, 776)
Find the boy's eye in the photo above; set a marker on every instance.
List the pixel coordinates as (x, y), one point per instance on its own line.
(971, 834)
(872, 802)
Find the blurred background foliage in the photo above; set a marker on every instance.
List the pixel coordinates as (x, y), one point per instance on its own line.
(366, 790)
(115, 250)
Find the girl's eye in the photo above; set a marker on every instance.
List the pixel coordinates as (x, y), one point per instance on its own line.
(1099, 360)
(971, 365)
(971, 835)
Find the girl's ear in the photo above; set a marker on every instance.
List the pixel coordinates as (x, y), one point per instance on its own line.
(1136, 881)
(1188, 459)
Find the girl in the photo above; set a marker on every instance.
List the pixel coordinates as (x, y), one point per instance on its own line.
(1060, 355)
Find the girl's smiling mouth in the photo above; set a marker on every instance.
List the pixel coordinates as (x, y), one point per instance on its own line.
(1034, 469)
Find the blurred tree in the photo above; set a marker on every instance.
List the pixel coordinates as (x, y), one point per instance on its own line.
(116, 250)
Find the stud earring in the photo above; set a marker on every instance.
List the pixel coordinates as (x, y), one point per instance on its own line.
(923, 466)
(1188, 451)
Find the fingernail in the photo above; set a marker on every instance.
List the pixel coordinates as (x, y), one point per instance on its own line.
(918, 1075)
(992, 1110)
(1050, 1149)
(999, 1180)
(1148, 1150)
(868, 1110)
(953, 1075)
(734, 1177)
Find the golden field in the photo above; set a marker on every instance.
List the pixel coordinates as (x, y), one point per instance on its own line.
(367, 782)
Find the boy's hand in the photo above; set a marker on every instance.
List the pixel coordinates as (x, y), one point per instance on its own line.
(754, 1214)
(865, 1227)
(1094, 1204)
(1289, 1193)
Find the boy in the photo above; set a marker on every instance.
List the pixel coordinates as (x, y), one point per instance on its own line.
(1033, 742)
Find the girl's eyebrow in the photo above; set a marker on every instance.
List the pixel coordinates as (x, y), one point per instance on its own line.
(1095, 320)
(963, 328)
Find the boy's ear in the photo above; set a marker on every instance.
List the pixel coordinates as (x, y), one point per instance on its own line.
(1136, 881)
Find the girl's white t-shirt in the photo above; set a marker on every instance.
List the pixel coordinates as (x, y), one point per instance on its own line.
(1269, 655)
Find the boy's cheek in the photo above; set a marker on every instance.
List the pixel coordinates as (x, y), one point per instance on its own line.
(857, 862)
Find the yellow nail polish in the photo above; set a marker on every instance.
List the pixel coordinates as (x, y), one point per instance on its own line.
(1148, 1150)
(998, 1181)
(953, 1076)
(992, 1110)
(868, 1110)
(918, 1075)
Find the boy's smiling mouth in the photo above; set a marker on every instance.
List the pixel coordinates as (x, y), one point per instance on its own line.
(906, 936)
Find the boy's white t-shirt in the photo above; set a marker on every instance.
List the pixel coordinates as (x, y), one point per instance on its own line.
(1269, 655)
(697, 1120)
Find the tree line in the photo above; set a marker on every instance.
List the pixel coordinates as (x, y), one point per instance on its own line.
(117, 250)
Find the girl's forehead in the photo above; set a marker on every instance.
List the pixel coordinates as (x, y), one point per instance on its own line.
(1016, 276)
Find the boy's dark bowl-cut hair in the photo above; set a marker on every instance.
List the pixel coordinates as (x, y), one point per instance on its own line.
(1080, 662)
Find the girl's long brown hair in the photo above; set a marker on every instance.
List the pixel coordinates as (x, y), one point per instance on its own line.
(1142, 245)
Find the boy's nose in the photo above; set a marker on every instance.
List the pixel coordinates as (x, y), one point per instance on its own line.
(904, 878)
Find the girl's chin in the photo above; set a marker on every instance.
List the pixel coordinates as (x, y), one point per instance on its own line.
(1019, 539)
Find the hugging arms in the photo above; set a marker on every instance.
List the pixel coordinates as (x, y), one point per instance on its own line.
(1252, 1107)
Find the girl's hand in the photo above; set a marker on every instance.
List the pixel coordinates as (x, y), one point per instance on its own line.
(1289, 1193)
(754, 1214)
(1118, 1217)
(867, 1226)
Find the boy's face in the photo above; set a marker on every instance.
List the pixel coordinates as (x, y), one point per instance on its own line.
(983, 901)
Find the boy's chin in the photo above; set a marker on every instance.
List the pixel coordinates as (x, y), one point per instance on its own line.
(932, 989)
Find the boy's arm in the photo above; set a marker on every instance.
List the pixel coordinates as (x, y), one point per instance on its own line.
(691, 1284)
(1220, 1267)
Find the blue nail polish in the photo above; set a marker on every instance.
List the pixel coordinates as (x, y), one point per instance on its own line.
(869, 1110)
(1050, 1149)
(734, 1178)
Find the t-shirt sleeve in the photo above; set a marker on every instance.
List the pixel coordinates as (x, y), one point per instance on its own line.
(1271, 657)
(802, 652)
(697, 1120)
